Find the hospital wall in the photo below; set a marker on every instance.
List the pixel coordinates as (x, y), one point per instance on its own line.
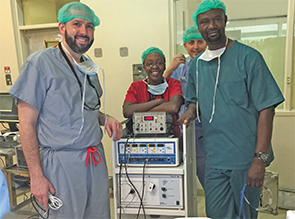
(138, 25)
(8, 57)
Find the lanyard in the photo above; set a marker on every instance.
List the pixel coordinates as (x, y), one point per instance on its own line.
(97, 106)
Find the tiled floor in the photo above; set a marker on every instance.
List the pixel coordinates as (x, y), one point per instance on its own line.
(28, 211)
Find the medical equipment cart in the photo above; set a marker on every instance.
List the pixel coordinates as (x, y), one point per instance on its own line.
(168, 191)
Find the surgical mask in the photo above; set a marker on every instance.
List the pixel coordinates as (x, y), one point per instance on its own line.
(87, 67)
(157, 89)
(207, 56)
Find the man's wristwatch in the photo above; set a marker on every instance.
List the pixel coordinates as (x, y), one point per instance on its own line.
(261, 156)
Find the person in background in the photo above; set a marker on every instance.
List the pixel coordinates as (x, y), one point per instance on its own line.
(178, 69)
(4, 200)
(155, 93)
(58, 94)
(232, 92)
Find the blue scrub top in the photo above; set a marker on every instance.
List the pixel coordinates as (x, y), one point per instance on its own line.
(245, 87)
(4, 200)
(181, 74)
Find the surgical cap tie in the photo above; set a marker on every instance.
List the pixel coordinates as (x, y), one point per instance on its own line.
(92, 151)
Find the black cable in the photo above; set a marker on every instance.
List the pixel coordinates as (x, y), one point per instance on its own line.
(140, 198)
(120, 176)
(33, 199)
(142, 194)
(126, 172)
(120, 172)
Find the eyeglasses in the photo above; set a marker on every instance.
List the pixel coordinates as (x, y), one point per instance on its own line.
(149, 64)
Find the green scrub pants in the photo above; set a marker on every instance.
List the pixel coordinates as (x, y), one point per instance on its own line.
(223, 191)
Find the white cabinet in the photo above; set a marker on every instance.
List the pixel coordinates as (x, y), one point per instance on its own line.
(165, 192)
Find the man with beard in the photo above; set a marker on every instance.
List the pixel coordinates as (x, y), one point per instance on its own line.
(232, 92)
(58, 94)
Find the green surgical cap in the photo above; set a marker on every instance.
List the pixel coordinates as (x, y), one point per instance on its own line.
(207, 5)
(151, 50)
(191, 33)
(77, 10)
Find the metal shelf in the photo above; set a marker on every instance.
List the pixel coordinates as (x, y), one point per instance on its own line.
(38, 26)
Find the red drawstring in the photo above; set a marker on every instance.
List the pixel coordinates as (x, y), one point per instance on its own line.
(92, 150)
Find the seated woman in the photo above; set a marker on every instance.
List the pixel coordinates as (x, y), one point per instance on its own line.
(155, 93)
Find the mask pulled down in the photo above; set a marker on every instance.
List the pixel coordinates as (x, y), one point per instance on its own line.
(157, 89)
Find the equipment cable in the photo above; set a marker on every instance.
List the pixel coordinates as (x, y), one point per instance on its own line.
(53, 202)
(124, 159)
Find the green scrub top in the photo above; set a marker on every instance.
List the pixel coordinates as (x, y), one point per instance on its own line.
(245, 87)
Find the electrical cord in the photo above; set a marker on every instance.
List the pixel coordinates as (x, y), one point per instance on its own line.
(54, 203)
(120, 176)
(142, 194)
(124, 159)
(243, 197)
(140, 197)
(137, 192)
(34, 203)
(261, 207)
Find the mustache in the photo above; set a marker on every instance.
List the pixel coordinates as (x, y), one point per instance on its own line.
(84, 36)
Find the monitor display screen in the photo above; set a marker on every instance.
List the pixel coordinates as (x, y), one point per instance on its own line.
(8, 108)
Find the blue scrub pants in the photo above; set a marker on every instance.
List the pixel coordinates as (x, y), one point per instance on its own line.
(223, 191)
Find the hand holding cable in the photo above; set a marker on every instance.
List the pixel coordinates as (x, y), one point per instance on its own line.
(54, 202)
(40, 187)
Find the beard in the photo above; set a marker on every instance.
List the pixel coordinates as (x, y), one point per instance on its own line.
(215, 39)
(75, 47)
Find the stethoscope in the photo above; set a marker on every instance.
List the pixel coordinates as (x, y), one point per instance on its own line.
(86, 106)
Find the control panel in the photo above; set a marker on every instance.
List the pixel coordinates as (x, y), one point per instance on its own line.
(160, 191)
(152, 123)
(160, 151)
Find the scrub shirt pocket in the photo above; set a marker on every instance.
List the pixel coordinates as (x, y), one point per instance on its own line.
(236, 93)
